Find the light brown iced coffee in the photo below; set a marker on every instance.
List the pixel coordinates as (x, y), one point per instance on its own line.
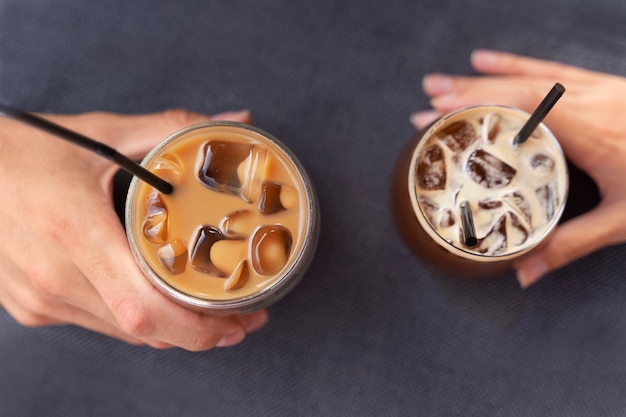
(240, 227)
(515, 193)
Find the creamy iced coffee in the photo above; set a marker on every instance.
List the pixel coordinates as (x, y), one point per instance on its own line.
(514, 193)
(240, 227)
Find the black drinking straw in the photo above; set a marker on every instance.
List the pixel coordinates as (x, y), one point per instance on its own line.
(468, 225)
(90, 144)
(539, 114)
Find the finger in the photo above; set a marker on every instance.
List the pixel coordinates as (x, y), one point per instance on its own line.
(568, 120)
(40, 299)
(135, 135)
(254, 321)
(138, 308)
(422, 119)
(502, 63)
(572, 240)
(469, 91)
(43, 311)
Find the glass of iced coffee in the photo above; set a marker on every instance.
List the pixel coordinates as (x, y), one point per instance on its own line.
(470, 201)
(241, 226)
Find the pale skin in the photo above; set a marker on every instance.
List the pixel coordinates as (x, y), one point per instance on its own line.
(588, 121)
(64, 257)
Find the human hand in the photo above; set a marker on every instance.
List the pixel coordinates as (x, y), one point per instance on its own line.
(589, 123)
(64, 256)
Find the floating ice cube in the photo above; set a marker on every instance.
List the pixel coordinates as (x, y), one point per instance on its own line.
(168, 167)
(490, 203)
(203, 238)
(431, 169)
(489, 171)
(288, 196)
(227, 253)
(447, 218)
(548, 200)
(491, 127)
(542, 162)
(251, 172)
(173, 256)
(517, 232)
(238, 224)
(270, 249)
(239, 277)
(270, 202)
(430, 210)
(519, 204)
(156, 222)
(217, 165)
(458, 135)
(495, 241)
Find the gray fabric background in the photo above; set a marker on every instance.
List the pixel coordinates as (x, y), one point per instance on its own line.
(370, 331)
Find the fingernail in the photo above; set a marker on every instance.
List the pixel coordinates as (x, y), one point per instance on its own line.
(232, 115)
(531, 272)
(232, 339)
(483, 56)
(445, 100)
(422, 119)
(257, 321)
(436, 83)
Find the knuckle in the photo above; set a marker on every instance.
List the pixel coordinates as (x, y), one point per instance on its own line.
(178, 117)
(201, 342)
(42, 283)
(28, 318)
(134, 317)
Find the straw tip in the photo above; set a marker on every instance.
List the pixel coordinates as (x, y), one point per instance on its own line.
(471, 241)
(166, 188)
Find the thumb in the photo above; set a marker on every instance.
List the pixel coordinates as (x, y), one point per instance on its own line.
(571, 241)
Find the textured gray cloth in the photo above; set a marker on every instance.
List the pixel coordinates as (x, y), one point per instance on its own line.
(370, 331)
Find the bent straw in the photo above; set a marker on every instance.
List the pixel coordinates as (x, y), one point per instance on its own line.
(539, 114)
(90, 144)
(468, 225)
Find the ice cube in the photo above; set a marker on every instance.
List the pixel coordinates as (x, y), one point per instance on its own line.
(542, 165)
(491, 127)
(168, 167)
(547, 199)
(270, 198)
(173, 256)
(517, 232)
(250, 173)
(270, 249)
(431, 169)
(447, 218)
(490, 203)
(217, 165)
(458, 135)
(238, 224)
(203, 238)
(519, 204)
(288, 196)
(495, 241)
(239, 277)
(430, 210)
(227, 253)
(156, 221)
(488, 170)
